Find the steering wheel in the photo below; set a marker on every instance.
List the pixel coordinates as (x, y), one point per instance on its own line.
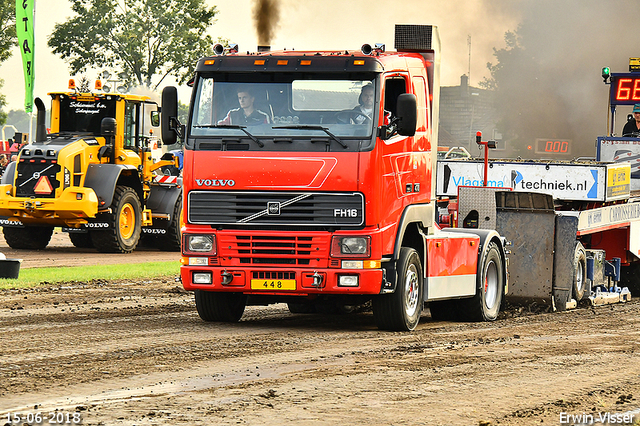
(352, 117)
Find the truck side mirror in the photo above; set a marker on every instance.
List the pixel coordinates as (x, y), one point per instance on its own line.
(155, 118)
(407, 114)
(169, 118)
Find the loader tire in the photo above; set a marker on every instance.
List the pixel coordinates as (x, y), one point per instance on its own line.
(29, 237)
(490, 279)
(172, 240)
(81, 239)
(220, 307)
(125, 223)
(401, 310)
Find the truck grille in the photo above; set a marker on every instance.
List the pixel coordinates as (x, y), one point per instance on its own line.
(29, 173)
(276, 208)
(273, 250)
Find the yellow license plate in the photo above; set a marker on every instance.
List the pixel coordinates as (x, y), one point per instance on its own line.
(274, 285)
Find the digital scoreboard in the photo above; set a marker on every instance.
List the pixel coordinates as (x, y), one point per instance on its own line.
(554, 147)
(625, 89)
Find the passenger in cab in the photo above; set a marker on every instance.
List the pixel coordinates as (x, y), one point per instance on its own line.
(246, 114)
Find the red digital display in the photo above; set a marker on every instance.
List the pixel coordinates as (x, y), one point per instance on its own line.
(627, 89)
(553, 146)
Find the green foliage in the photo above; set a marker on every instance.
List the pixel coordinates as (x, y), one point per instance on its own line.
(3, 101)
(34, 276)
(144, 38)
(8, 37)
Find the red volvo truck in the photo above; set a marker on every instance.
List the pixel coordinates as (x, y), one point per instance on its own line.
(309, 179)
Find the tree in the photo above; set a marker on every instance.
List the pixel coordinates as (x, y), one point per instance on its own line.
(7, 28)
(147, 39)
(7, 41)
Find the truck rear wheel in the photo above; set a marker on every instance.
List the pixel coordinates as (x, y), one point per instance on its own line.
(29, 237)
(81, 239)
(124, 222)
(401, 310)
(172, 240)
(485, 305)
(220, 307)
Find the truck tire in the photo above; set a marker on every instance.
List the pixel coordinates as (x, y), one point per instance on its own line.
(401, 310)
(444, 310)
(301, 308)
(28, 238)
(81, 239)
(220, 307)
(485, 305)
(124, 221)
(579, 272)
(172, 240)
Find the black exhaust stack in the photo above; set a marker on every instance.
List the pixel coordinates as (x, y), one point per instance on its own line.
(41, 127)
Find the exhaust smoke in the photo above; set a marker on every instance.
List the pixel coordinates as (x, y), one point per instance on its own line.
(266, 14)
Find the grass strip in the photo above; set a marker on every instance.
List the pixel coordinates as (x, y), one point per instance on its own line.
(31, 277)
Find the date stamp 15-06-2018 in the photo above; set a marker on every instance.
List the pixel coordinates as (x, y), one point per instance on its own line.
(42, 418)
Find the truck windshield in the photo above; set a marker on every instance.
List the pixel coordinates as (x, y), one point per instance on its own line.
(309, 108)
(84, 115)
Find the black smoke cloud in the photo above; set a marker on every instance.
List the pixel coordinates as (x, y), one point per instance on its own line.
(266, 14)
(551, 87)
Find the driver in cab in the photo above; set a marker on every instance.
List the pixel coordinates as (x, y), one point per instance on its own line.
(246, 114)
(365, 105)
(632, 127)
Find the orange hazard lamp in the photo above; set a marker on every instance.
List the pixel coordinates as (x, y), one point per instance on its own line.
(98, 85)
(72, 84)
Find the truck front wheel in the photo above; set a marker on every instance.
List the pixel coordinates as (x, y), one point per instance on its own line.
(401, 310)
(29, 237)
(220, 307)
(123, 223)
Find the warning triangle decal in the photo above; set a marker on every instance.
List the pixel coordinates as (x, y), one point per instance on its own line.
(43, 186)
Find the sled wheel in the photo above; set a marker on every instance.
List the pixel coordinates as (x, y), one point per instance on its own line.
(579, 273)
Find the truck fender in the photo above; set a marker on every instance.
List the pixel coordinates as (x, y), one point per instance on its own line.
(421, 214)
(162, 199)
(102, 178)
(486, 236)
(9, 174)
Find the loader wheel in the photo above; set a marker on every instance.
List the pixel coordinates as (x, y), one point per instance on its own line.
(579, 272)
(29, 237)
(220, 307)
(485, 305)
(124, 222)
(172, 240)
(401, 310)
(81, 239)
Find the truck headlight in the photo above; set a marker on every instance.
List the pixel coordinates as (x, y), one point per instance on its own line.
(351, 246)
(194, 243)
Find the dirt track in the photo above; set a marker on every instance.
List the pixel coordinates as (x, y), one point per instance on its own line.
(137, 354)
(60, 252)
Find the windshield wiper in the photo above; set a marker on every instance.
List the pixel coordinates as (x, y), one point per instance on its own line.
(232, 126)
(324, 129)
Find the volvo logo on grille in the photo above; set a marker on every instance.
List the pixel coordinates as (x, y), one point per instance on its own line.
(36, 175)
(273, 208)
